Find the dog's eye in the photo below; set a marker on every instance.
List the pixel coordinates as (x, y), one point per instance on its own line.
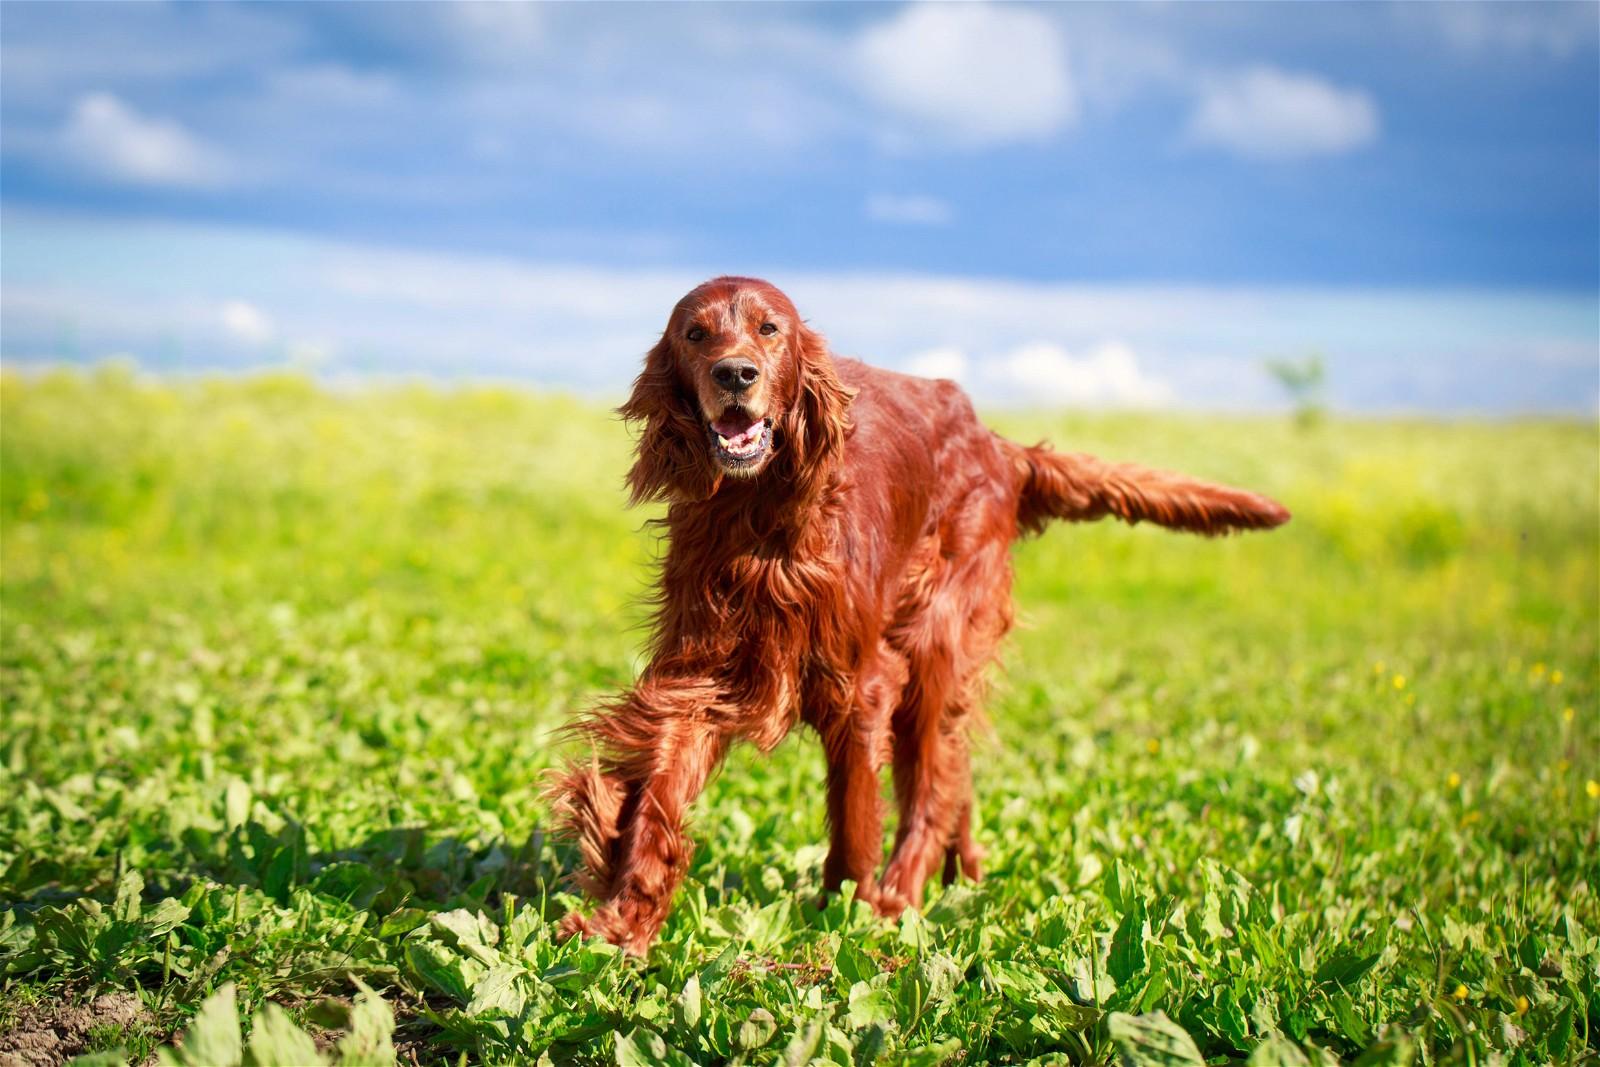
(696, 334)
(767, 327)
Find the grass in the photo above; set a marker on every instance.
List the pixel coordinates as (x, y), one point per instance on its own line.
(282, 669)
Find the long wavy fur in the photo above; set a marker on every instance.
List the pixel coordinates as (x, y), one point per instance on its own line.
(859, 582)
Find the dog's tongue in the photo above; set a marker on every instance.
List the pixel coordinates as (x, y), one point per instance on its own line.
(734, 424)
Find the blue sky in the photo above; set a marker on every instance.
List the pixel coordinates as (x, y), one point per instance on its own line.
(1139, 202)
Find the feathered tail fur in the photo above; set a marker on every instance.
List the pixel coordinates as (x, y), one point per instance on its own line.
(1082, 488)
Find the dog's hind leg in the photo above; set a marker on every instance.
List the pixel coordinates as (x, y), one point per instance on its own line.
(962, 857)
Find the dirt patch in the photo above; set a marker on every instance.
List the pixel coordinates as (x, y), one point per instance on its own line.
(48, 1034)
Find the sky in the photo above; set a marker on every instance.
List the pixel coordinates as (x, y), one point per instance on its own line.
(1130, 205)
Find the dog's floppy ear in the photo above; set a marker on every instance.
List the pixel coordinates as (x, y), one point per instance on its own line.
(815, 427)
(670, 455)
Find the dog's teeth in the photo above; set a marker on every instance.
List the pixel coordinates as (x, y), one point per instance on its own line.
(721, 440)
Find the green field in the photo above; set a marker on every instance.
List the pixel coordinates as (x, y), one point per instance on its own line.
(283, 668)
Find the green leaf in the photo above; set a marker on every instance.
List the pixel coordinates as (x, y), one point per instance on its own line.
(275, 1041)
(236, 804)
(756, 1030)
(212, 1039)
(924, 986)
(804, 1046)
(279, 876)
(113, 1057)
(130, 887)
(689, 1004)
(717, 969)
(956, 903)
(646, 1048)
(1277, 1051)
(498, 991)
(354, 883)
(929, 1055)
(915, 933)
(1121, 887)
(1018, 982)
(164, 917)
(439, 969)
(1229, 1020)
(470, 932)
(1397, 1051)
(1152, 1040)
(1346, 966)
(1127, 944)
(370, 1042)
(403, 922)
(868, 1004)
(852, 964)
(869, 1045)
(1066, 1015)
(767, 928)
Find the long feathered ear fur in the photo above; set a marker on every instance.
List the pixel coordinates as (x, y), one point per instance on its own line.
(816, 425)
(670, 456)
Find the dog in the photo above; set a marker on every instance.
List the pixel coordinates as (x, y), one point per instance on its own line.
(838, 544)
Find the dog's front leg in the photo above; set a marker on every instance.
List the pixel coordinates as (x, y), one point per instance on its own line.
(854, 818)
(854, 725)
(661, 744)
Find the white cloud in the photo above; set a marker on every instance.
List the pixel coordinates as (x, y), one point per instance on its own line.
(245, 321)
(496, 31)
(1558, 30)
(912, 210)
(106, 136)
(311, 355)
(1268, 113)
(974, 74)
(324, 84)
(1044, 373)
(158, 290)
(938, 363)
(1108, 376)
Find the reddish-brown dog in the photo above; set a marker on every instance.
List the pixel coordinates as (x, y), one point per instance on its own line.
(838, 554)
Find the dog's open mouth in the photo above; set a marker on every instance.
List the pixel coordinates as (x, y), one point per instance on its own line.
(740, 438)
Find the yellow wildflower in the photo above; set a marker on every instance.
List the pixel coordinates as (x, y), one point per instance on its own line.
(1379, 667)
(1460, 992)
(1592, 787)
(1563, 765)
(1454, 781)
(1555, 677)
(1567, 714)
(1399, 681)
(1153, 745)
(1522, 1006)
(1471, 817)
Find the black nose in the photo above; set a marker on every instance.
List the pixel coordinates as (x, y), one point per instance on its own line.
(736, 374)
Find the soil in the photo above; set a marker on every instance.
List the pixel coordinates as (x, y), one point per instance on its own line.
(47, 1034)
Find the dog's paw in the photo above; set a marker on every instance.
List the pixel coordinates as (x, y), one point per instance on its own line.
(890, 902)
(607, 922)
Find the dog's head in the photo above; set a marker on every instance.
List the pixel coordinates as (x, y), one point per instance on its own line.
(737, 387)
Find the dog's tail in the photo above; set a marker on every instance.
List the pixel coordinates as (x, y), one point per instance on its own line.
(1081, 488)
